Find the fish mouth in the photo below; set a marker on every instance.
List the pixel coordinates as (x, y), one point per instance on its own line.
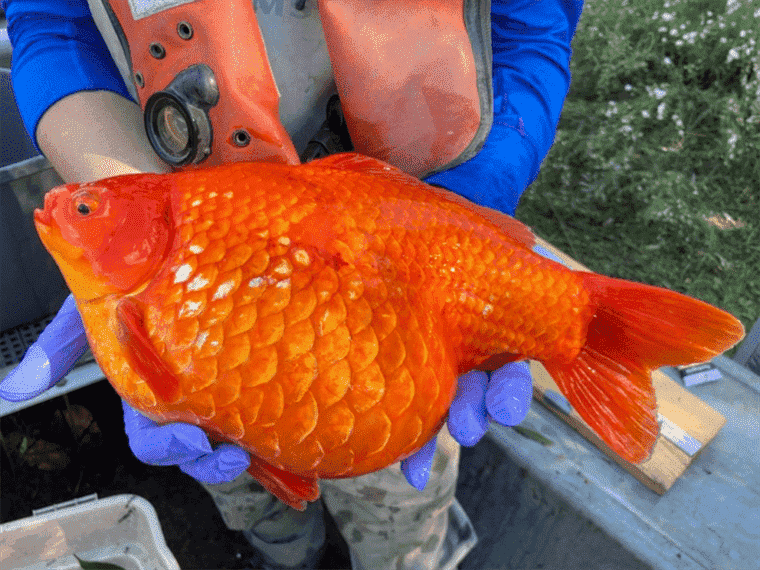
(43, 217)
(42, 220)
(49, 230)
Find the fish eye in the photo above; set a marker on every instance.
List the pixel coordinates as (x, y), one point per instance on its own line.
(85, 203)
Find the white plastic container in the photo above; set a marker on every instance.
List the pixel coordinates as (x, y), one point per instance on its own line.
(122, 530)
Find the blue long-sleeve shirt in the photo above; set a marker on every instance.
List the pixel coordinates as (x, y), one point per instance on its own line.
(57, 51)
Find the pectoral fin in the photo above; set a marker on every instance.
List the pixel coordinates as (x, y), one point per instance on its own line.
(293, 490)
(142, 354)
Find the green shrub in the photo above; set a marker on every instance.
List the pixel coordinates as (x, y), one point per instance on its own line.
(655, 171)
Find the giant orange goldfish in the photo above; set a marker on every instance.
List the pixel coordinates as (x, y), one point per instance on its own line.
(318, 315)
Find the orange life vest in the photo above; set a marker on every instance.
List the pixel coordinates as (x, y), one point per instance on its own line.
(414, 77)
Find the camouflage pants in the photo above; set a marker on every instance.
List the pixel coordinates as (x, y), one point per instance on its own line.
(385, 521)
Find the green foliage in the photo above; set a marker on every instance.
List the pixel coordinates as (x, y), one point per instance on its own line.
(655, 171)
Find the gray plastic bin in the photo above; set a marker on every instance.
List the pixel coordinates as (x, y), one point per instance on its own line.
(122, 530)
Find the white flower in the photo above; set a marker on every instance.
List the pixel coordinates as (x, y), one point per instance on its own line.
(645, 114)
(733, 54)
(667, 61)
(668, 16)
(660, 111)
(723, 40)
(659, 93)
(628, 87)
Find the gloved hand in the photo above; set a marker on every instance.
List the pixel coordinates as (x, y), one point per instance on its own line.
(185, 445)
(504, 398)
(50, 358)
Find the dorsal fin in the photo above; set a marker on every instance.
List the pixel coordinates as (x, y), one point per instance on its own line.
(516, 230)
(359, 163)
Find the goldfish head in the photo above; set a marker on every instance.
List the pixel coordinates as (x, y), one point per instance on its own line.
(109, 236)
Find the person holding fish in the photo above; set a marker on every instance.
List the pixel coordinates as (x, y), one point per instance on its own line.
(464, 95)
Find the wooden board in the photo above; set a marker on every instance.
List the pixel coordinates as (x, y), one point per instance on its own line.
(668, 461)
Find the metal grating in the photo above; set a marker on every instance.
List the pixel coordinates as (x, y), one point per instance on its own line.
(16, 341)
(12, 347)
(30, 332)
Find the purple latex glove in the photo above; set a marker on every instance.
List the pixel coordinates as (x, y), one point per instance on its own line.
(504, 398)
(50, 358)
(184, 445)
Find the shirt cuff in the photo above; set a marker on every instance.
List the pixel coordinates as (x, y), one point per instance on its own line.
(497, 176)
(55, 57)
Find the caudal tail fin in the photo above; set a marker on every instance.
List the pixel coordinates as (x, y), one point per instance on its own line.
(636, 328)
